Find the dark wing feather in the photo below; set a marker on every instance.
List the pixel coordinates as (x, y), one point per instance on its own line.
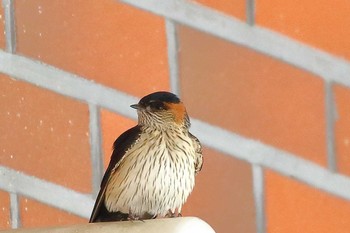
(199, 154)
(120, 146)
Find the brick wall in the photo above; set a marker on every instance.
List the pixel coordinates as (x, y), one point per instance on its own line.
(265, 82)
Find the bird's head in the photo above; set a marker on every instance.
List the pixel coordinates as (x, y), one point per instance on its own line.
(161, 110)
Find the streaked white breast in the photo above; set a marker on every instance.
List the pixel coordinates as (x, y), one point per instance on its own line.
(156, 175)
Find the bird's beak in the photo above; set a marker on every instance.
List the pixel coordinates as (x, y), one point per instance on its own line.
(136, 106)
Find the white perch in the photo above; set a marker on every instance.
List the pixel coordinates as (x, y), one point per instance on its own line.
(168, 225)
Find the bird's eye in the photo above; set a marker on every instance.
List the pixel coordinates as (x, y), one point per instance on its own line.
(156, 105)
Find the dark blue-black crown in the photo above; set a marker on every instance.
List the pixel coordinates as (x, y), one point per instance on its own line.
(161, 96)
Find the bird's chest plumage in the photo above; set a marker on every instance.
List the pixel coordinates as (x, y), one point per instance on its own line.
(155, 175)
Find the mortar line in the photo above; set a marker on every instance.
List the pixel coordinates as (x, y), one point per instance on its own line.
(15, 212)
(259, 197)
(250, 12)
(10, 28)
(172, 44)
(96, 147)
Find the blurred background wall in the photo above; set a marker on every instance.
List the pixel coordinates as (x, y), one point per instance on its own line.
(266, 83)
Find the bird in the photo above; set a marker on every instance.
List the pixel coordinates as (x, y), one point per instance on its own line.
(153, 165)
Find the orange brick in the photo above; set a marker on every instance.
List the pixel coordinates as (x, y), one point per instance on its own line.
(342, 126)
(223, 194)
(44, 134)
(105, 41)
(2, 28)
(251, 94)
(4, 211)
(113, 125)
(295, 207)
(235, 8)
(36, 214)
(324, 25)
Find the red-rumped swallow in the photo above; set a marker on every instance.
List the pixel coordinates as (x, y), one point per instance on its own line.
(153, 165)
